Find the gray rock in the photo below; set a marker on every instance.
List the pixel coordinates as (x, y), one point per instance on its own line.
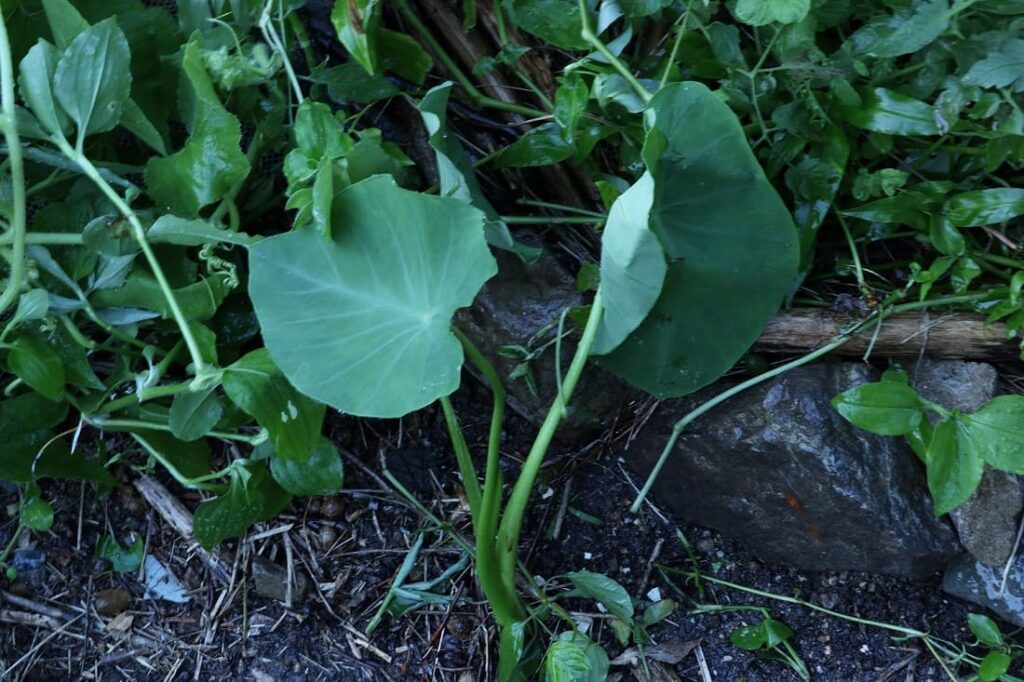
(974, 581)
(25, 560)
(986, 523)
(271, 581)
(516, 304)
(777, 468)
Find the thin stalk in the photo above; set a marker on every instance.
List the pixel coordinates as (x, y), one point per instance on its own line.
(145, 394)
(140, 236)
(512, 520)
(561, 207)
(676, 44)
(129, 424)
(587, 33)
(690, 417)
(855, 255)
(17, 168)
(457, 73)
(200, 482)
(45, 238)
(1000, 260)
(465, 461)
(545, 219)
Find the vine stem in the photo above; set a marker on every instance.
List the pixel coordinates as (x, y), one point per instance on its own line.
(512, 520)
(11, 137)
(587, 33)
(693, 415)
(139, 233)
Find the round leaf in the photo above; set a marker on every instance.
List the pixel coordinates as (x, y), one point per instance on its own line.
(749, 637)
(993, 666)
(731, 261)
(985, 629)
(362, 321)
(37, 514)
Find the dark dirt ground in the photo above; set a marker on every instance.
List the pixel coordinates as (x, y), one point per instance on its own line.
(351, 546)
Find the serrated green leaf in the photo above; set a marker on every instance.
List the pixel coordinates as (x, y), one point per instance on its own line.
(122, 559)
(887, 408)
(391, 311)
(194, 414)
(93, 78)
(632, 266)
(603, 589)
(292, 420)
(321, 473)
(211, 161)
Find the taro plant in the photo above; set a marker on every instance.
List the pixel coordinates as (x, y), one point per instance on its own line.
(373, 335)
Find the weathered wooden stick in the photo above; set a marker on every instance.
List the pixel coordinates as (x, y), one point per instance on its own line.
(174, 513)
(942, 335)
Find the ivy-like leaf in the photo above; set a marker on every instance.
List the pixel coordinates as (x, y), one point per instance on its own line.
(122, 559)
(294, 422)
(604, 590)
(573, 657)
(245, 503)
(211, 161)
(321, 473)
(761, 12)
(904, 32)
(1000, 69)
(35, 80)
(93, 79)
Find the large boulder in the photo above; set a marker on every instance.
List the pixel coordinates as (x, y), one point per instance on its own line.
(777, 468)
(986, 523)
(972, 580)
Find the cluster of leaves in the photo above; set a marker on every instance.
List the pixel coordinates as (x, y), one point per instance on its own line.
(131, 313)
(147, 141)
(954, 447)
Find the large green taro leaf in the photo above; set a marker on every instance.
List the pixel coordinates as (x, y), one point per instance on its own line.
(362, 321)
(729, 240)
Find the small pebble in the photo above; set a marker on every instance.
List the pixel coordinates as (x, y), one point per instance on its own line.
(28, 559)
(332, 507)
(111, 602)
(327, 536)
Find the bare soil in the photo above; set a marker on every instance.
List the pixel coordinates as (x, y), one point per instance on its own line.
(350, 547)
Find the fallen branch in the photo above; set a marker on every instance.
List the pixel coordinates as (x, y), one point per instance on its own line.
(174, 513)
(940, 335)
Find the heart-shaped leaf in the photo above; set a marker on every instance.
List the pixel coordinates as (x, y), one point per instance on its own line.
(731, 261)
(362, 322)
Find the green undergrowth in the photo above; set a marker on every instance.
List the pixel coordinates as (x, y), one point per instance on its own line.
(207, 243)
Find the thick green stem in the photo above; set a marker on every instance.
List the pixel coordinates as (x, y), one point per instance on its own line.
(135, 424)
(17, 167)
(838, 341)
(140, 236)
(45, 238)
(506, 605)
(512, 520)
